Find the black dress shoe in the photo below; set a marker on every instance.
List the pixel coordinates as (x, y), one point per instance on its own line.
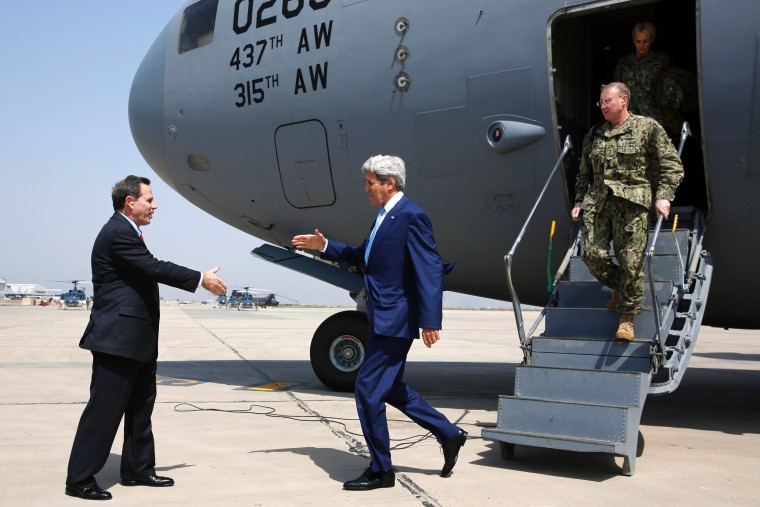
(371, 480)
(451, 451)
(88, 492)
(147, 480)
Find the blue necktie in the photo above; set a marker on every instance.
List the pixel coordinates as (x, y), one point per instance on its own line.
(372, 234)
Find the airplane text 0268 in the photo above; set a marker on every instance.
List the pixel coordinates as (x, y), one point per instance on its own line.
(267, 14)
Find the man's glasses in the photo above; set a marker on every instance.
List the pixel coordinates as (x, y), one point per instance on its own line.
(606, 102)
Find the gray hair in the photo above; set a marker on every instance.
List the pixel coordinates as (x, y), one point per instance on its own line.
(387, 166)
(621, 88)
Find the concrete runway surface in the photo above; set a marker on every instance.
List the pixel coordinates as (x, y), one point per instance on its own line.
(241, 420)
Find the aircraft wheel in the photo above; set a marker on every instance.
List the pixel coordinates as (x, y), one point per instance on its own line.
(338, 349)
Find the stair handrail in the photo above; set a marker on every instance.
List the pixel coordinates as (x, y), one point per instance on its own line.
(508, 258)
(655, 302)
(685, 132)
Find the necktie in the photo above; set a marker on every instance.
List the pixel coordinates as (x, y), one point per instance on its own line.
(378, 220)
(141, 238)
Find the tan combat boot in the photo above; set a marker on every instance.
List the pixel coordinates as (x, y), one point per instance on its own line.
(625, 327)
(614, 300)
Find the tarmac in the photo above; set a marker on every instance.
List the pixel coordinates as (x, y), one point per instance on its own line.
(241, 419)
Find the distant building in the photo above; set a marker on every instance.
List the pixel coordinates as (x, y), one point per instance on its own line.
(26, 289)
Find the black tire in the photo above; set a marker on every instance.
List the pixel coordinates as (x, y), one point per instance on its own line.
(338, 349)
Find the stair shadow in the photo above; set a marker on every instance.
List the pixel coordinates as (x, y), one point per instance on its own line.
(591, 466)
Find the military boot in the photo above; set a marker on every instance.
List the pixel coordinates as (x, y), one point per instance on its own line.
(625, 327)
(614, 300)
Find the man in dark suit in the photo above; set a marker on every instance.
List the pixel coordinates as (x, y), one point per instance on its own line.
(123, 336)
(403, 282)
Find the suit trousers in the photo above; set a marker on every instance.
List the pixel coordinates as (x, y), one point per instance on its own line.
(380, 382)
(119, 387)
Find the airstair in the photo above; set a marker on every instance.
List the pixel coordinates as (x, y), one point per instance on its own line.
(578, 388)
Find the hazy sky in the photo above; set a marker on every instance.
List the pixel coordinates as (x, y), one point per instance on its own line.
(65, 139)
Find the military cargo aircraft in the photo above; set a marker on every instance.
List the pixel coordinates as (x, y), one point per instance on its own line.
(261, 112)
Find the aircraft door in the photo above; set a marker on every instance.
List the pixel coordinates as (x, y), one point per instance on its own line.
(304, 163)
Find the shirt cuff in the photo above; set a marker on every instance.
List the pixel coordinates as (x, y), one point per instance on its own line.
(325, 247)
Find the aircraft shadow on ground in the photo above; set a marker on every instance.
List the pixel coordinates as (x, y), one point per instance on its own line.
(709, 399)
(726, 400)
(729, 356)
(471, 386)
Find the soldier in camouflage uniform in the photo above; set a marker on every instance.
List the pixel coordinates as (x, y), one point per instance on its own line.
(642, 70)
(625, 160)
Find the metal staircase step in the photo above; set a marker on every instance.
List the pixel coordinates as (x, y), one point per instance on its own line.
(590, 346)
(614, 357)
(570, 420)
(550, 441)
(595, 323)
(585, 386)
(571, 294)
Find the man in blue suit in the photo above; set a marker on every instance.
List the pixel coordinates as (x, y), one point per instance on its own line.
(403, 281)
(122, 335)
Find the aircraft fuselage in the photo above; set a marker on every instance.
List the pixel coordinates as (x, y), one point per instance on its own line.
(264, 119)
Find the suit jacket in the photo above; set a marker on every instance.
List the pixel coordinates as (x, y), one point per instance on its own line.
(403, 278)
(125, 276)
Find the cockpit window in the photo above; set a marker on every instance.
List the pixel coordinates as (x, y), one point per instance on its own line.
(198, 24)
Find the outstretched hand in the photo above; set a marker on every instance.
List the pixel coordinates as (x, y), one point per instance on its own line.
(314, 241)
(213, 283)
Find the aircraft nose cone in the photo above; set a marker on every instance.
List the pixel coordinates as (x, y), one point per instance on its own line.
(146, 107)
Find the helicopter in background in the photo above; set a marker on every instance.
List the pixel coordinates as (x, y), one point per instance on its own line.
(252, 298)
(248, 302)
(234, 300)
(221, 301)
(75, 297)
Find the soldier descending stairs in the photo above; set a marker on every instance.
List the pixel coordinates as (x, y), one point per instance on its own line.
(579, 388)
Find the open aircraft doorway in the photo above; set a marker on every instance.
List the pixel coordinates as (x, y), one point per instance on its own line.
(586, 43)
